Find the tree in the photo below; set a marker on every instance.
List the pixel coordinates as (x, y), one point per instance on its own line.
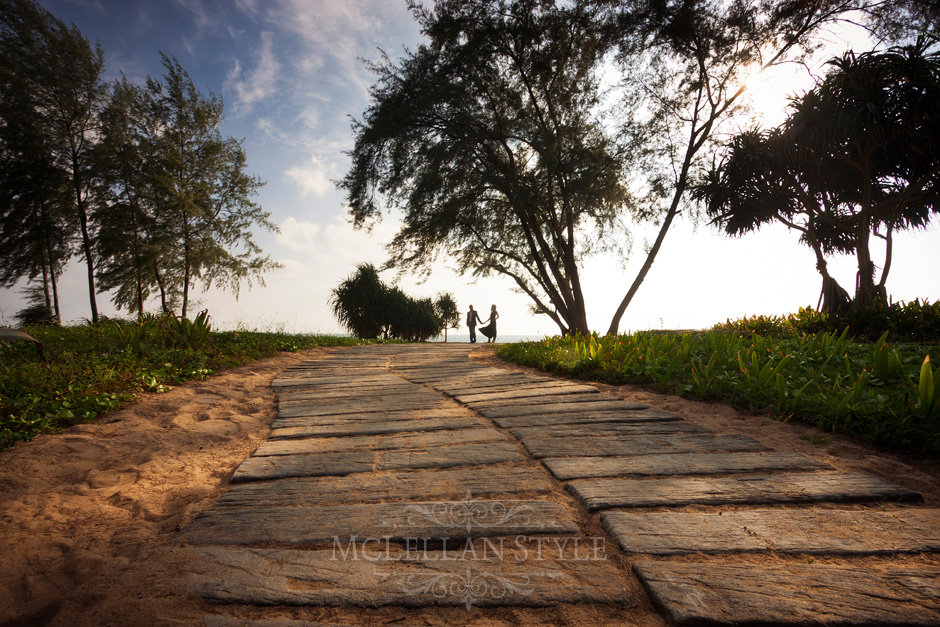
(35, 237)
(447, 311)
(367, 307)
(57, 75)
(685, 66)
(201, 193)
(859, 156)
(359, 302)
(129, 242)
(487, 138)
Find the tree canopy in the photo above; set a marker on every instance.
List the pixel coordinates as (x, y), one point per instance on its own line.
(138, 179)
(858, 157)
(369, 308)
(488, 140)
(52, 77)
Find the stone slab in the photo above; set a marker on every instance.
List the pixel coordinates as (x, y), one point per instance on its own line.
(363, 487)
(542, 400)
(598, 494)
(821, 531)
(453, 411)
(362, 427)
(548, 389)
(377, 442)
(640, 445)
(565, 468)
(229, 621)
(335, 464)
(495, 377)
(355, 406)
(570, 418)
(792, 594)
(492, 384)
(317, 380)
(438, 520)
(559, 408)
(606, 429)
(317, 578)
(351, 392)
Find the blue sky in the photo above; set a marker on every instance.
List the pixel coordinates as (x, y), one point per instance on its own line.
(290, 74)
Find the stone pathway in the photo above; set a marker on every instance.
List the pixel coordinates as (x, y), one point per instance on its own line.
(410, 476)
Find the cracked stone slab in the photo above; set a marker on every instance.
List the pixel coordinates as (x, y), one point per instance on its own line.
(606, 429)
(792, 594)
(316, 380)
(231, 621)
(396, 577)
(570, 418)
(329, 464)
(823, 531)
(377, 442)
(457, 520)
(489, 384)
(343, 392)
(840, 487)
(558, 408)
(361, 427)
(336, 408)
(532, 392)
(421, 484)
(374, 416)
(565, 468)
(640, 445)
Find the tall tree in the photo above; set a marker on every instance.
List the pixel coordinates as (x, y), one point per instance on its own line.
(488, 140)
(59, 73)
(447, 311)
(684, 65)
(35, 233)
(201, 192)
(858, 157)
(128, 240)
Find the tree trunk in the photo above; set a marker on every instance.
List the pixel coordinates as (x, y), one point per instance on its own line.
(865, 281)
(86, 249)
(163, 303)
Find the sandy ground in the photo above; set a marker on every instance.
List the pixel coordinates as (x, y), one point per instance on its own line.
(88, 516)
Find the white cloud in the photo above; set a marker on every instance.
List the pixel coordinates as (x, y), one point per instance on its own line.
(311, 177)
(256, 85)
(299, 235)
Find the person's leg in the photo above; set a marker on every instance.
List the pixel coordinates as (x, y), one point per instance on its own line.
(473, 335)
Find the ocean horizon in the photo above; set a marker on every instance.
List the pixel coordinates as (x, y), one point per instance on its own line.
(458, 338)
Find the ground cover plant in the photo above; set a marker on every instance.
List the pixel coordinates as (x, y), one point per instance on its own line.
(884, 392)
(94, 368)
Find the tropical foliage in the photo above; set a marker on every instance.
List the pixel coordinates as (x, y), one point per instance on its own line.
(486, 137)
(368, 308)
(858, 158)
(99, 367)
(136, 180)
(883, 392)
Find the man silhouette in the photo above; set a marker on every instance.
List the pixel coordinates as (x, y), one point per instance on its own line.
(473, 318)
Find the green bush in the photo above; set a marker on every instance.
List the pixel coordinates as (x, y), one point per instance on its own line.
(882, 392)
(916, 321)
(96, 368)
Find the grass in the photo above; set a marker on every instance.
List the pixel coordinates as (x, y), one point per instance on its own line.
(884, 393)
(97, 368)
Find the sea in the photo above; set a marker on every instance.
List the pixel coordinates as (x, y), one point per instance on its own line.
(457, 338)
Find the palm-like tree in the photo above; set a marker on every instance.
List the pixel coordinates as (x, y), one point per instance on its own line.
(858, 157)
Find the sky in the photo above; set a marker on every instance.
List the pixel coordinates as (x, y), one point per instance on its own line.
(292, 74)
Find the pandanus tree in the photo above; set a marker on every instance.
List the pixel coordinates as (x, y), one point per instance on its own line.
(858, 158)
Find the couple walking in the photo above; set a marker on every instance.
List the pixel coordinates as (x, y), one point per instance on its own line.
(473, 318)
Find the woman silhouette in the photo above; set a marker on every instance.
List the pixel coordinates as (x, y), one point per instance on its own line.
(490, 329)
